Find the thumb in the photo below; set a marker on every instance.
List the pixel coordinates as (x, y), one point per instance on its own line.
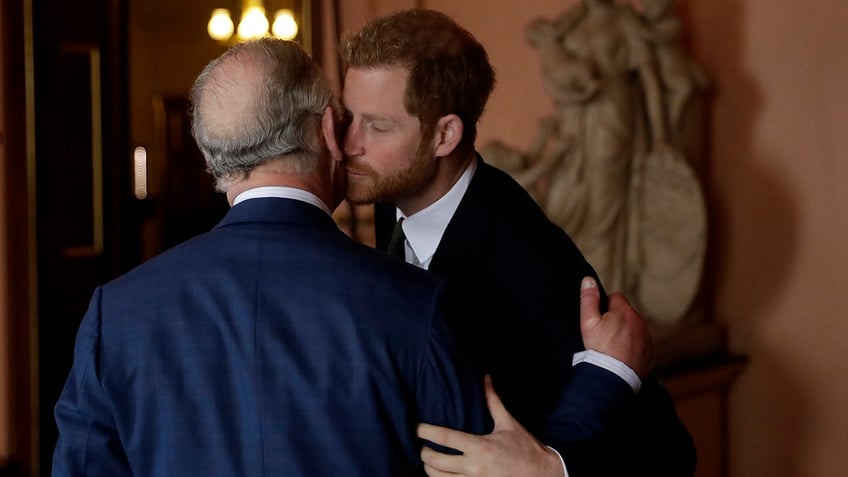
(590, 298)
(500, 415)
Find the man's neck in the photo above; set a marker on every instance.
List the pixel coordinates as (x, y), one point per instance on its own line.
(261, 177)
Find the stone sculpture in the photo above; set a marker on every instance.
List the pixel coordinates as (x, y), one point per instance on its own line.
(610, 166)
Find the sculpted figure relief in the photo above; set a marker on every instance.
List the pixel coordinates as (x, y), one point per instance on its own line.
(609, 165)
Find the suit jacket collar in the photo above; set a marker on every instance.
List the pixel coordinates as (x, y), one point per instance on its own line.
(277, 210)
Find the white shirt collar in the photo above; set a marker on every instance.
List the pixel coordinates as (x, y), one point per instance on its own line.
(424, 229)
(284, 193)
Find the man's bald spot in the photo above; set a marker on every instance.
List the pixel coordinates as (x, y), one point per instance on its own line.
(228, 103)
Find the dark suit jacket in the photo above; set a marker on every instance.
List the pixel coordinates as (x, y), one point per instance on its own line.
(271, 346)
(516, 281)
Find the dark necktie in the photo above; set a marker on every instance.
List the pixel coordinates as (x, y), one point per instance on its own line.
(397, 246)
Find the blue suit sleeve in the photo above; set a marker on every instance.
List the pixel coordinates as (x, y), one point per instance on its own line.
(599, 417)
(589, 403)
(450, 390)
(88, 443)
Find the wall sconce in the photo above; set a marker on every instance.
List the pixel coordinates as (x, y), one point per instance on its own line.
(253, 23)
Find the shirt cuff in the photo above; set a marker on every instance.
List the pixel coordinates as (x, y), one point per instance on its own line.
(611, 364)
(564, 470)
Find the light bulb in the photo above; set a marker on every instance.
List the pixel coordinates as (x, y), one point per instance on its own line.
(253, 23)
(220, 26)
(285, 26)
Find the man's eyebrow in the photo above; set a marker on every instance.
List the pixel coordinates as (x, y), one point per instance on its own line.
(378, 117)
(371, 116)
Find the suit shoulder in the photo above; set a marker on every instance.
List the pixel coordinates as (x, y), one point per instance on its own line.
(519, 231)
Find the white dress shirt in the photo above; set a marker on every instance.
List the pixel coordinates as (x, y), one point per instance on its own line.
(424, 229)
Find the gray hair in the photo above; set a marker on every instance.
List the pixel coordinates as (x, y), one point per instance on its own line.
(259, 101)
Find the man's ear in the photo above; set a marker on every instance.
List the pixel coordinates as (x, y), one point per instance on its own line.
(447, 135)
(328, 128)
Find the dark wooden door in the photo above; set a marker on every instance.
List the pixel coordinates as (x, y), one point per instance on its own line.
(86, 227)
(189, 205)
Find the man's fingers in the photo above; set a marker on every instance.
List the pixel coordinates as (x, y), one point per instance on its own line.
(444, 436)
(437, 464)
(619, 306)
(590, 298)
(433, 472)
(503, 419)
(618, 302)
(635, 346)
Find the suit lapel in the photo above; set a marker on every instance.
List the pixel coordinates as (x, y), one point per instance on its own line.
(466, 236)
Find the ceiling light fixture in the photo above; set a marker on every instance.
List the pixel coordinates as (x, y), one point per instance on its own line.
(253, 24)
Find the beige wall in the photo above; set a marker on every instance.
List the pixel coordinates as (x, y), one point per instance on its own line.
(780, 206)
(776, 189)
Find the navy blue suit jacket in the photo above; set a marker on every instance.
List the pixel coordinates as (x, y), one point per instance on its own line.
(518, 276)
(272, 345)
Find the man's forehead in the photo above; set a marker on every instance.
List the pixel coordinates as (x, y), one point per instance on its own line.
(382, 74)
(384, 84)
